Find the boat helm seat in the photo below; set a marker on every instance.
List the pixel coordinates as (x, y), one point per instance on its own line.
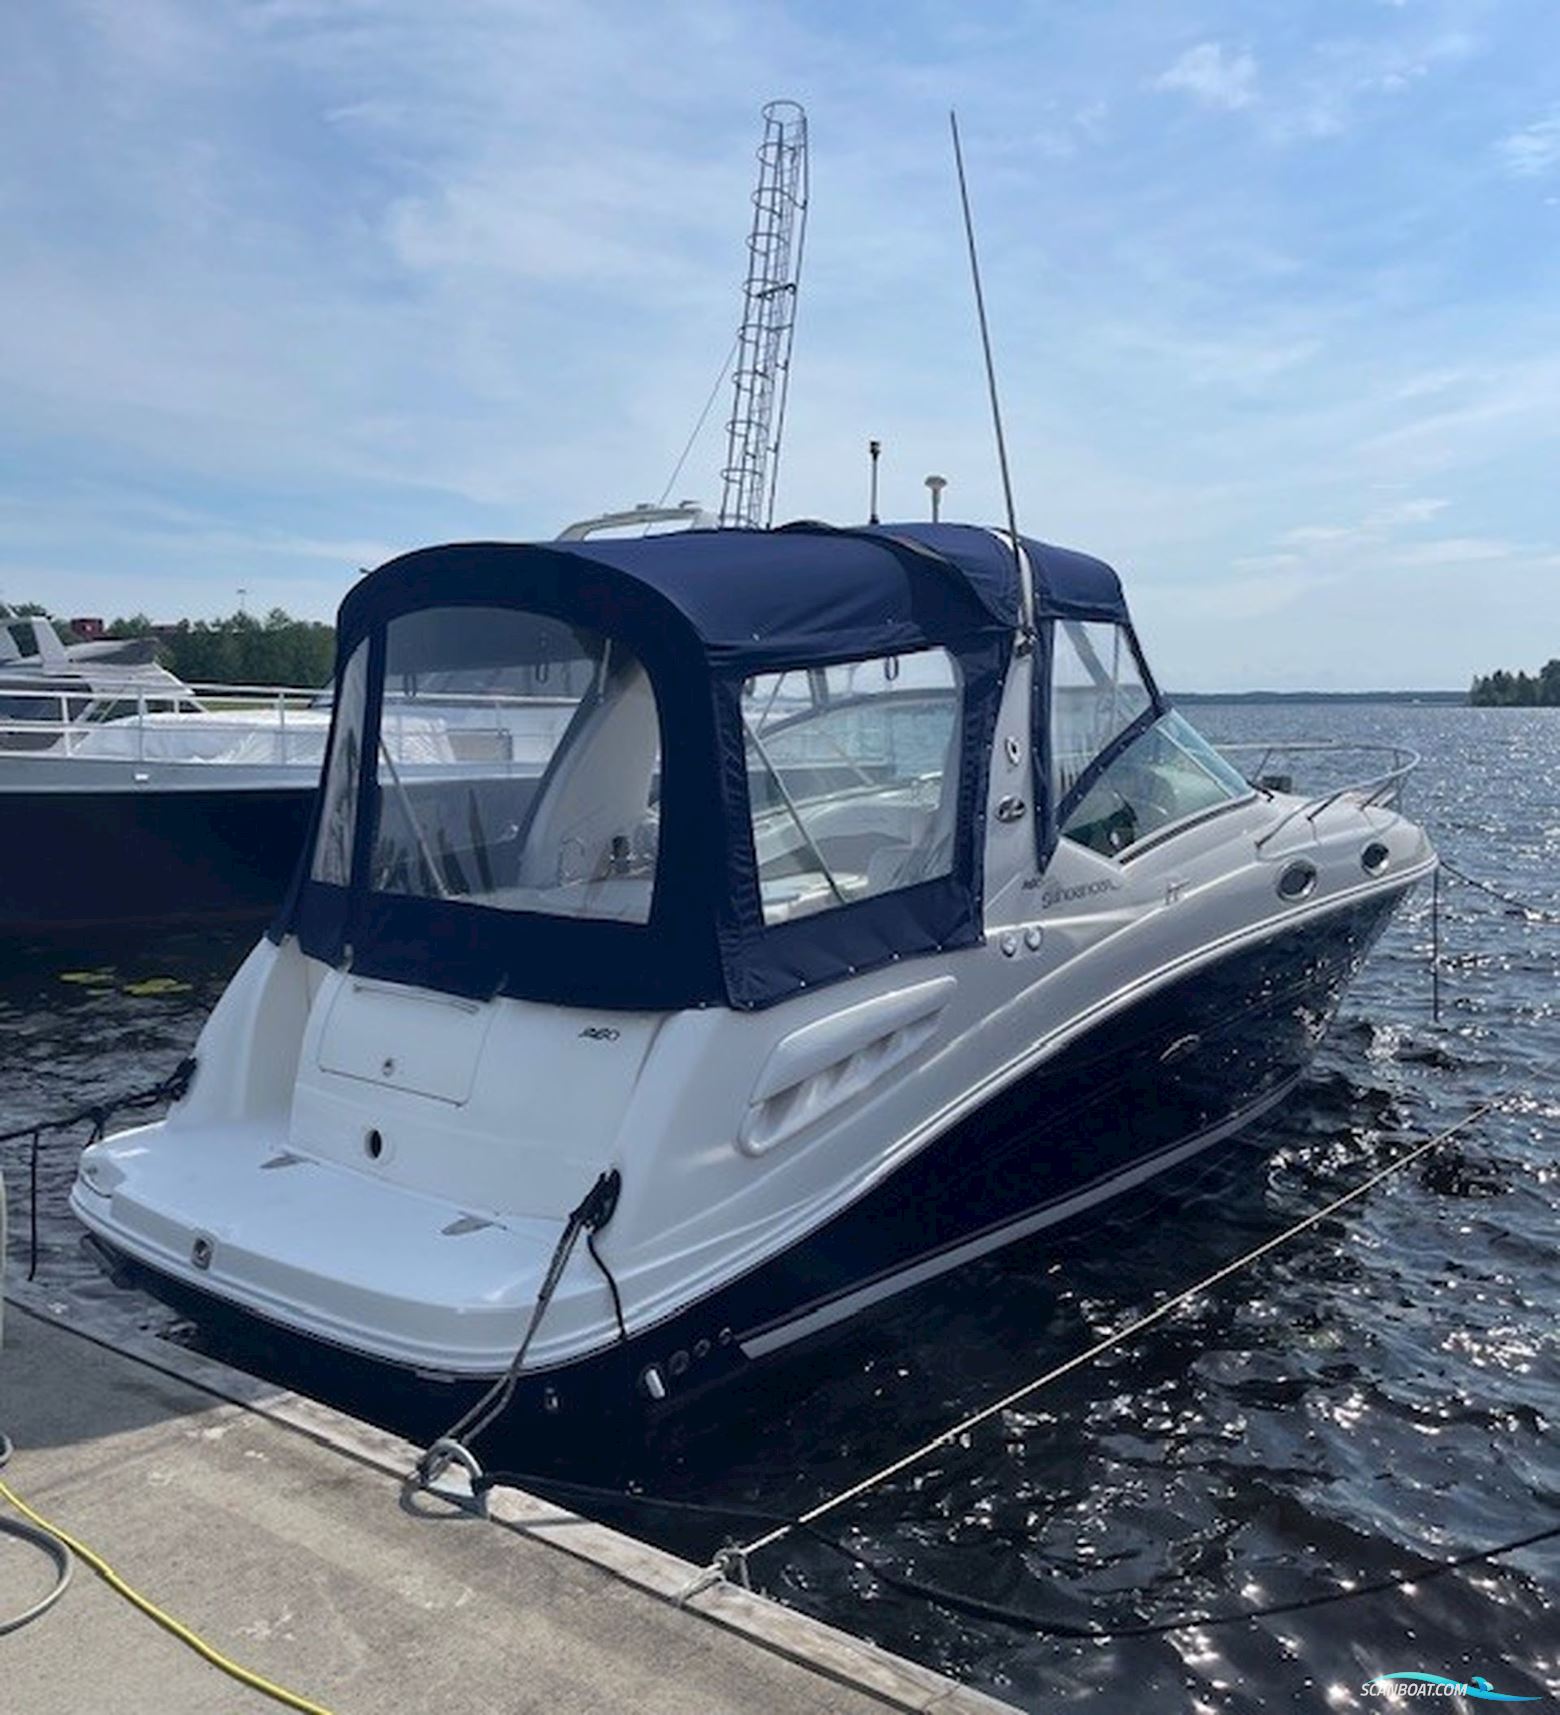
(594, 801)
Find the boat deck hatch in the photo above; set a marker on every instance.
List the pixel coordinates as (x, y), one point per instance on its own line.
(401, 1039)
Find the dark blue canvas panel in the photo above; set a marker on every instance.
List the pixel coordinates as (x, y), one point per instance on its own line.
(702, 610)
(789, 958)
(963, 552)
(745, 599)
(764, 597)
(769, 963)
(478, 952)
(474, 950)
(1070, 585)
(1067, 584)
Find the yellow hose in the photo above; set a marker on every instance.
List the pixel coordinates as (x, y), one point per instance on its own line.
(205, 1651)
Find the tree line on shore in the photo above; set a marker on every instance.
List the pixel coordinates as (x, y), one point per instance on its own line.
(1503, 690)
(277, 649)
(239, 649)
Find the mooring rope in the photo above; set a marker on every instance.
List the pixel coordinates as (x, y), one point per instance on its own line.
(1535, 913)
(1544, 914)
(731, 1562)
(173, 1088)
(977, 1606)
(1100, 1347)
(591, 1214)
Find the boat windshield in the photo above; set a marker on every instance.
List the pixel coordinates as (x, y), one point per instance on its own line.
(518, 767)
(14, 708)
(1165, 773)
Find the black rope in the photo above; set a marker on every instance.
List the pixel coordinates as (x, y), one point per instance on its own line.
(173, 1088)
(1435, 945)
(977, 1607)
(590, 1215)
(1534, 913)
(1019, 1620)
(1544, 914)
(535, 1481)
(32, 1206)
(612, 1285)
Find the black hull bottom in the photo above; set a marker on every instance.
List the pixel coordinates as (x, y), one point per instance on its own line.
(87, 859)
(1143, 1090)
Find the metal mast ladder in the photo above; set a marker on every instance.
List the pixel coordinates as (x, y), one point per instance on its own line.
(763, 364)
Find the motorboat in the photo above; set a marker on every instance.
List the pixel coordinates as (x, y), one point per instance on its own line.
(871, 909)
(50, 687)
(131, 796)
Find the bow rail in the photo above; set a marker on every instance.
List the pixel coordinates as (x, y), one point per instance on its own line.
(1383, 788)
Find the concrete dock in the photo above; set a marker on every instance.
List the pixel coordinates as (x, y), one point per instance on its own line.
(279, 1531)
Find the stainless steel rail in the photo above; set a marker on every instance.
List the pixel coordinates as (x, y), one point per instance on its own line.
(1384, 788)
(134, 706)
(73, 717)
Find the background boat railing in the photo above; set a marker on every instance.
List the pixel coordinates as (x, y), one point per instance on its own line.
(67, 721)
(1383, 788)
(78, 715)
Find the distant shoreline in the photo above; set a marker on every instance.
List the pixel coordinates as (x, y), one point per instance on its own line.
(1440, 697)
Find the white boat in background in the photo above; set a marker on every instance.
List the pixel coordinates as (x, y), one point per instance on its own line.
(146, 799)
(130, 796)
(873, 908)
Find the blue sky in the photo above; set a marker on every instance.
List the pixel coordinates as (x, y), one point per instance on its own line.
(291, 285)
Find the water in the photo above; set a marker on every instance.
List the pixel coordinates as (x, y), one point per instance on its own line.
(1385, 1388)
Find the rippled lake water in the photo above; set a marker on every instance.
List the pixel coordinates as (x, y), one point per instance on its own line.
(1385, 1388)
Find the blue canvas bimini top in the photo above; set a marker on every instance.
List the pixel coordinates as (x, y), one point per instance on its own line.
(702, 611)
(756, 598)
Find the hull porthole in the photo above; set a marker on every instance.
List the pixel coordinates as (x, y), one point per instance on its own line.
(1297, 880)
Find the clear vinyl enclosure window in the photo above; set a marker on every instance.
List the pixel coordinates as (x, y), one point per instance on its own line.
(852, 779)
(1096, 693)
(339, 794)
(518, 766)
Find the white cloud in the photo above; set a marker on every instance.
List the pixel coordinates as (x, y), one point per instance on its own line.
(291, 281)
(1234, 360)
(1419, 511)
(1342, 76)
(1213, 77)
(1308, 536)
(1264, 585)
(1532, 151)
(1375, 535)
(1456, 551)
(1491, 414)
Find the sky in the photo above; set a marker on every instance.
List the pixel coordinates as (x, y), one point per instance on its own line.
(289, 286)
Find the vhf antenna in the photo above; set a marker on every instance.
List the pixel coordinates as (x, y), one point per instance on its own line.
(991, 378)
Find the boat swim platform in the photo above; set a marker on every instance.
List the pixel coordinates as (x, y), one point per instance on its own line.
(278, 1529)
